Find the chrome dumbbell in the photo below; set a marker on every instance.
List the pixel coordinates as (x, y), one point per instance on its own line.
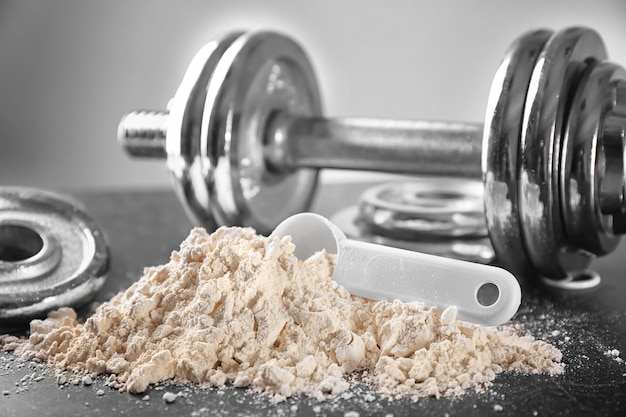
(244, 139)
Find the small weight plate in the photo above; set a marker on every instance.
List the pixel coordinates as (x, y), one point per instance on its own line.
(184, 159)
(425, 208)
(51, 254)
(260, 75)
(577, 281)
(582, 154)
(550, 92)
(501, 139)
(475, 249)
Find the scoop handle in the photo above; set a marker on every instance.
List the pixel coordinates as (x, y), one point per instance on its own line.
(483, 294)
(382, 272)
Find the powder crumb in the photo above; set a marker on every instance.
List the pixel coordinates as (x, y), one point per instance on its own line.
(100, 393)
(535, 413)
(237, 308)
(448, 316)
(146, 398)
(317, 409)
(87, 380)
(351, 414)
(169, 397)
(497, 407)
(61, 379)
(614, 354)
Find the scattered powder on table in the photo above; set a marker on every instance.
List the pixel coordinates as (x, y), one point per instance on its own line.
(235, 307)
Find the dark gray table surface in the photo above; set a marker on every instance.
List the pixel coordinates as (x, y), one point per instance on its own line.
(143, 227)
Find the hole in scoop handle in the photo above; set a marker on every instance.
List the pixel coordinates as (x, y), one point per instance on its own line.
(381, 272)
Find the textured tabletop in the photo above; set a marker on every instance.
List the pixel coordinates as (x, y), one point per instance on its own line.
(143, 228)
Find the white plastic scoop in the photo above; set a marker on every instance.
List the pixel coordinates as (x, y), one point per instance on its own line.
(483, 294)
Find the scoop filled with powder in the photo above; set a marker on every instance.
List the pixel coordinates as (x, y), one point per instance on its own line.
(234, 307)
(383, 272)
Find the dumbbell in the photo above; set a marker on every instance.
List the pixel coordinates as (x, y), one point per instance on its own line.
(244, 138)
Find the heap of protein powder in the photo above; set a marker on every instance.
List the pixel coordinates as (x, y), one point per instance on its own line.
(237, 308)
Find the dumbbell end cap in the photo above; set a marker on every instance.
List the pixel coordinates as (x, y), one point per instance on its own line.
(143, 133)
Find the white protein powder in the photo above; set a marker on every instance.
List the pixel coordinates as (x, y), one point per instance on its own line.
(237, 308)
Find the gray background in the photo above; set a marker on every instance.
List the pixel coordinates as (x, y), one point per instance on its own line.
(69, 69)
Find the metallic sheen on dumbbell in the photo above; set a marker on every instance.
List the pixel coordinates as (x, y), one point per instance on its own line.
(52, 254)
(244, 139)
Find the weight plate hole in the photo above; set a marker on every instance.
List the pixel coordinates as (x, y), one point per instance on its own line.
(578, 280)
(438, 195)
(488, 294)
(18, 243)
(435, 198)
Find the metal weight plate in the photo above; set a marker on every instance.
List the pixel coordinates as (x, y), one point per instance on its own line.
(51, 254)
(503, 126)
(576, 281)
(425, 208)
(260, 75)
(550, 92)
(475, 249)
(584, 149)
(182, 142)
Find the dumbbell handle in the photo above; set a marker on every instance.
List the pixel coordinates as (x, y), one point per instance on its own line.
(397, 146)
(292, 142)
